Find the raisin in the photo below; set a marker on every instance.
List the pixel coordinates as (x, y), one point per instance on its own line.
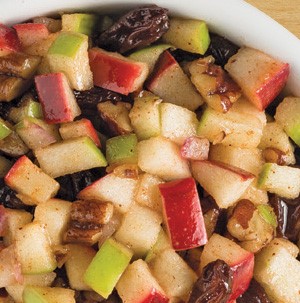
(214, 285)
(138, 28)
(221, 49)
(181, 55)
(254, 294)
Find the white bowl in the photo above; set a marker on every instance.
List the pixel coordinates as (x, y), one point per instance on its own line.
(235, 19)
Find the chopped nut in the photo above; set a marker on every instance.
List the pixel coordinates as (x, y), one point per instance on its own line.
(274, 155)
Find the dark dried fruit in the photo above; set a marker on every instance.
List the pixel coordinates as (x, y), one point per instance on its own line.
(138, 28)
(221, 49)
(254, 294)
(214, 285)
(181, 55)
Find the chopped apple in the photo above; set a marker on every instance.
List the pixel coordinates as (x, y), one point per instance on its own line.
(79, 258)
(58, 101)
(69, 54)
(279, 273)
(137, 285)
(145, 115)
(5, 129)
(34, 252)
(160, 156)
(29, 33)
(79, 128)
(70, 156)
(240, 261)
(116, 72)
(281, 180)
(183, 214)
(119, 191)
(52, 24)
(260, 76)
(116, 117)
(55, 215)
(149, 54)
(107, 266)
(139, 229)
(9, 41)
(121, 150)
(36, 133)
(195, 148)
(12, 87)
(224, 182)
(287, 115)
(169, 82)
(188, 34)
(185, 126)
(79, 23)
(174, 275)
(39, 294)
(30, 181)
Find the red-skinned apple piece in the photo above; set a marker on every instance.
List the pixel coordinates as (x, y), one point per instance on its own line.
(260, 76)
(169, 82)
(29, 33)
(240, 261)
(56, 97)
(9, 41)
(116, 72)
(183, 214)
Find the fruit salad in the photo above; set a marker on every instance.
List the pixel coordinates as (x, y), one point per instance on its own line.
(144, 158)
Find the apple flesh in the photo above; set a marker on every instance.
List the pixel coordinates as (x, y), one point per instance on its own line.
(183, 214)
(29, 33)
(58, 101)
(107, 266)
(4, 129)
(195, 148)
(116, 72)
(260, 76)
(80, 23)
(169, 82)
(240, 261)
(9, 41)
(137, 285)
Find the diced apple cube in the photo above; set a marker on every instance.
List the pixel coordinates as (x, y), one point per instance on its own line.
(9, 41)
(80, 23)
(169, 82)
(58, 101)
(79, 128)
(137, 285)
(70, 156)
(260, 76)
(195, 148)
(184, 127)
(116, 72)
(183, 214)
(224, 182)
(119, 191)
(281, 180)
(139, 229)
(172, 273)
(69, 54)
(33, 249)
(160, 156)
(107, 266)
(55, 215)
(29, 180)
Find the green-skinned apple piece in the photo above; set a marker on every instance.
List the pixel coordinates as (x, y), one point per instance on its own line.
(38, 294)
(288, 116)
(121, 150)
(188, 34)
(145, 115)
(36, 133)
(149, 54)
(107, 266)
(68, 54)
(34, 252)
(32, 184)
(278, 271)
(281, 180)
(73, 155)
(79, 23)
(4, 129)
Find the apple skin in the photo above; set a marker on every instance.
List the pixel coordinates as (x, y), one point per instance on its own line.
(115, 72)
(183, 214)
(57, 99)
(8, 40)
